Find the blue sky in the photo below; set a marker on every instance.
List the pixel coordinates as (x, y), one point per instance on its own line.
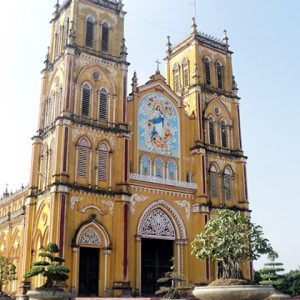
(264, 35)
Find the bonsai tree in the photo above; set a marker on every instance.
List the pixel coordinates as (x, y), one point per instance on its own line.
(171, 284)
(269, 273)
(50, 267)
(230, 239)
(7, 272)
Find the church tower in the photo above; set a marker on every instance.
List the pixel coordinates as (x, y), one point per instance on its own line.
(80, 152)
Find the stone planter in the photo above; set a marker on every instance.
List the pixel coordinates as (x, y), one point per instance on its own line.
(233, 292)
(49, 294)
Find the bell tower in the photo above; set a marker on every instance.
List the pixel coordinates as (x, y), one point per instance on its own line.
(82, 123)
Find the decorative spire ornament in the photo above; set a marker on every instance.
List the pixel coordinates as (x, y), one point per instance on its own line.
(134, 83)
(72, 35)
(56, 8)
(123, 50)
(168, 46)
(47, 62)
(225, 39)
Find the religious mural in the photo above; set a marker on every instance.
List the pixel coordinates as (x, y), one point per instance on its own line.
(158, 125)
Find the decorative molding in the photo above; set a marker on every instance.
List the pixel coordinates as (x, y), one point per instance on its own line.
(110, 204)
(187, 207)
(135, 198)
(74, 201)
(153, 179)
(91, 206)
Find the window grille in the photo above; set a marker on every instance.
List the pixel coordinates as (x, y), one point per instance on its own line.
(220, 75)
(207, 71)
(211, 129)
(103, 105)
(89, 36)
(105, 37)
(223, 134)
(186, 76)
(102, 162)
(85, 103)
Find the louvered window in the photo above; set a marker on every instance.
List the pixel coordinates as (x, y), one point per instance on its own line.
(82, 159)
(85, 103)
(220, 75)
(105, 37)
(213, 184)
(176, 78)
(103, 153)
(223, 134)
(103, 105)
(227, 185)
(211, 129)
(207, 71)
(89, 37)
(186, 76)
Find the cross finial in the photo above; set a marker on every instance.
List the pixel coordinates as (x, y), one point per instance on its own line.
(157, 63)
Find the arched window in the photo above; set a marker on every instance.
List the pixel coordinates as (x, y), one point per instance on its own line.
(219, 71)
(145, 165)
(176, 78)
(159, 167)
(186, 75)
(213, 176)
(103, 97)
(227, 181)
(82, 158)
(172, 170)
(207, 70)
(105, 37)
(223, 134)
(103, 160)
(89, 34)
(85, 101)
(211, 130)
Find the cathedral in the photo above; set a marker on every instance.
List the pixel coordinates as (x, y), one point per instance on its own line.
(123, 180)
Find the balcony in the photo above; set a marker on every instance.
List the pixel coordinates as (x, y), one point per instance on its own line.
(164, 181)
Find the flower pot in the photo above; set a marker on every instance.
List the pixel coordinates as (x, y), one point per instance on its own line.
(49, 294)
(233, 292)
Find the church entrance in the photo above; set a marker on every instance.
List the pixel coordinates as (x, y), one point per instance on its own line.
(156, 256)
(89, 271)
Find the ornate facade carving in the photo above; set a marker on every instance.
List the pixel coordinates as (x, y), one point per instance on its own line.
(134, 199)
(187, 207)
(157, 224)
(90, 237)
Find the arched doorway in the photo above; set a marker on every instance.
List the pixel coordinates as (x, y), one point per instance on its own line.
(92, 242)
(160, 228)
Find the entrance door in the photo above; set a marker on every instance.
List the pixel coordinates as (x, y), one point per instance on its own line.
(156, 255)
(89, 272)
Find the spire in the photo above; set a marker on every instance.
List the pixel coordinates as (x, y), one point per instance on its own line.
(157, 66)
(6, 193)
(234, 86)
(72, 35)
(168, 46)
(47, 62)
(56, 8)
(134, 83)
(123, 50)
(225, 39)
(194, 28)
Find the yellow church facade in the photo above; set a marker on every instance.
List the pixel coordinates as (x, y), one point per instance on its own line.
(123, 181)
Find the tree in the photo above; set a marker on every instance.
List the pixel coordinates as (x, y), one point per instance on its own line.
(269, 273)
(171, 280)
(230, 239)
(7, 272)
(51, 267)
(291, 283)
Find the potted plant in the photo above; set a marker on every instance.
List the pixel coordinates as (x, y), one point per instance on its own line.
(230, 239)
(7, 273)
(54, 271)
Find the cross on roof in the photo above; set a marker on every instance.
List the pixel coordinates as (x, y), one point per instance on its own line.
(157, 63)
